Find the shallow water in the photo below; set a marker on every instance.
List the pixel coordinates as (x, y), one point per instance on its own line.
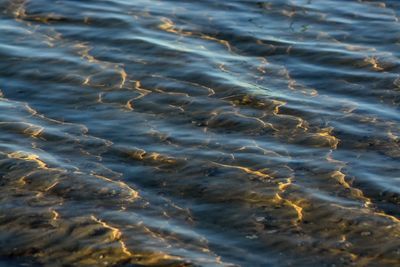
(199, 133)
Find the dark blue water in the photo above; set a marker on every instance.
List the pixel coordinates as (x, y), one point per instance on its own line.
(199, 133)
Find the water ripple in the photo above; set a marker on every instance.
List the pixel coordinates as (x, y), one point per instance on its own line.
(199, 133)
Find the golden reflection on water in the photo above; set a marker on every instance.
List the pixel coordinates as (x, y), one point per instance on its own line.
(218, 154)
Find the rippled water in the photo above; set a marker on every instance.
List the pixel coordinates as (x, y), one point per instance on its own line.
(199, 133)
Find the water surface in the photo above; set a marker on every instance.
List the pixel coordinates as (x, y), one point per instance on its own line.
(199, 133)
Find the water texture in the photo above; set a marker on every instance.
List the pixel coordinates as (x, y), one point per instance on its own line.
(199, 133)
